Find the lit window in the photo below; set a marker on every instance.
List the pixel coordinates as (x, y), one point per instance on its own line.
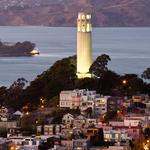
(83, 16)
(88, 16)
(79, 16)
(116, 136)
(88, 28)
(79, 28)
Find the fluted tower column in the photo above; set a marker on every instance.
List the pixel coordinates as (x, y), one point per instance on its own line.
(84, 45)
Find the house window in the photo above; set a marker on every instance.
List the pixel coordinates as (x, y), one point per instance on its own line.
(116, 136)
(108, 136)
(134, 130)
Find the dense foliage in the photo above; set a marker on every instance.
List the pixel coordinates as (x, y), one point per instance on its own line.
(62, 76)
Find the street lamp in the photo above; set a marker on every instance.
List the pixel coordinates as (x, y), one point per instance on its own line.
(146, 145)
(124, 82)
(27, 113)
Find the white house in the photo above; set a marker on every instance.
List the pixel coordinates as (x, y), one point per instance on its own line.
(101, 105)
(68, 119)
(115, 135)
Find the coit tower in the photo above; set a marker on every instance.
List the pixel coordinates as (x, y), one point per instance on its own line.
(84, 45)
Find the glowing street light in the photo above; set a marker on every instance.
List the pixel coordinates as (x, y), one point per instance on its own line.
(124, 82)
(14, 148)
(42, 100)
(42, 106)
(27, 113)
(146, 147)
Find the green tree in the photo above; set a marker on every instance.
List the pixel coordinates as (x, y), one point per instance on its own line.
(146, 74)
(60, 76)
(108, 82)
(134, 84)
(19, 84)
(98, 138)
(53, 102)
(99, 66)
(14, 93)
(89, 112)
(147, 133)
(3, 93)
(86, 83)
(1, 44)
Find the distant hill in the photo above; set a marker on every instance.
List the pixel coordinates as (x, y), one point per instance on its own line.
(64, 12)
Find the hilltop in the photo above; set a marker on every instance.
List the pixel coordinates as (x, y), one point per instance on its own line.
(64, 12)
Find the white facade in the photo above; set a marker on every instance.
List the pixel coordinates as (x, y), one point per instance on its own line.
(118, 148)
(66, 99)
(74, 99)
(132, 122)
(101, 105)
(84, 99)
(88, 100)
(115, 135)
(84, 45)
(68, 119)
(20, 142)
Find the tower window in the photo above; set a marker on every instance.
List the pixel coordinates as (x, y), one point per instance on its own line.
(88, 16)
(83, 16)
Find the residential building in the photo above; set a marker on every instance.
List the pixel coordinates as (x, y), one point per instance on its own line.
(79, 121)
(52, 129)
(140, 98)
(101, 105)
(68, 144)
(82, 144)
(68, 119)
(115, 135)
(133, 130)
(77, 99)
(113, 103)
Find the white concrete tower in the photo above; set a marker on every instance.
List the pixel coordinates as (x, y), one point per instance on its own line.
(84, 45)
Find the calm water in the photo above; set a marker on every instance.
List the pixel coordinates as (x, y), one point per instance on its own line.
(129, 49)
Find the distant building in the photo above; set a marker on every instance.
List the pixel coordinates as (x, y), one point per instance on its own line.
(81, 144)
(68, 119)
(84, 99)
(118, 135)
(88, 100)
(52, 129)
(113, 103)
(101, 105)
(140, 98)
(132, 128)
(118, 148)
(3, 144)
(67, 143)
(79, 122)
(77, 98)
(70, 99)
(8, 124)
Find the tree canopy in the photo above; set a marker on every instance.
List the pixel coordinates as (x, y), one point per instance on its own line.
(146, 74)
(99, 66)
(62, 76)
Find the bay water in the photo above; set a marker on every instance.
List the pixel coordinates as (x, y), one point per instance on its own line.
(129, 49)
